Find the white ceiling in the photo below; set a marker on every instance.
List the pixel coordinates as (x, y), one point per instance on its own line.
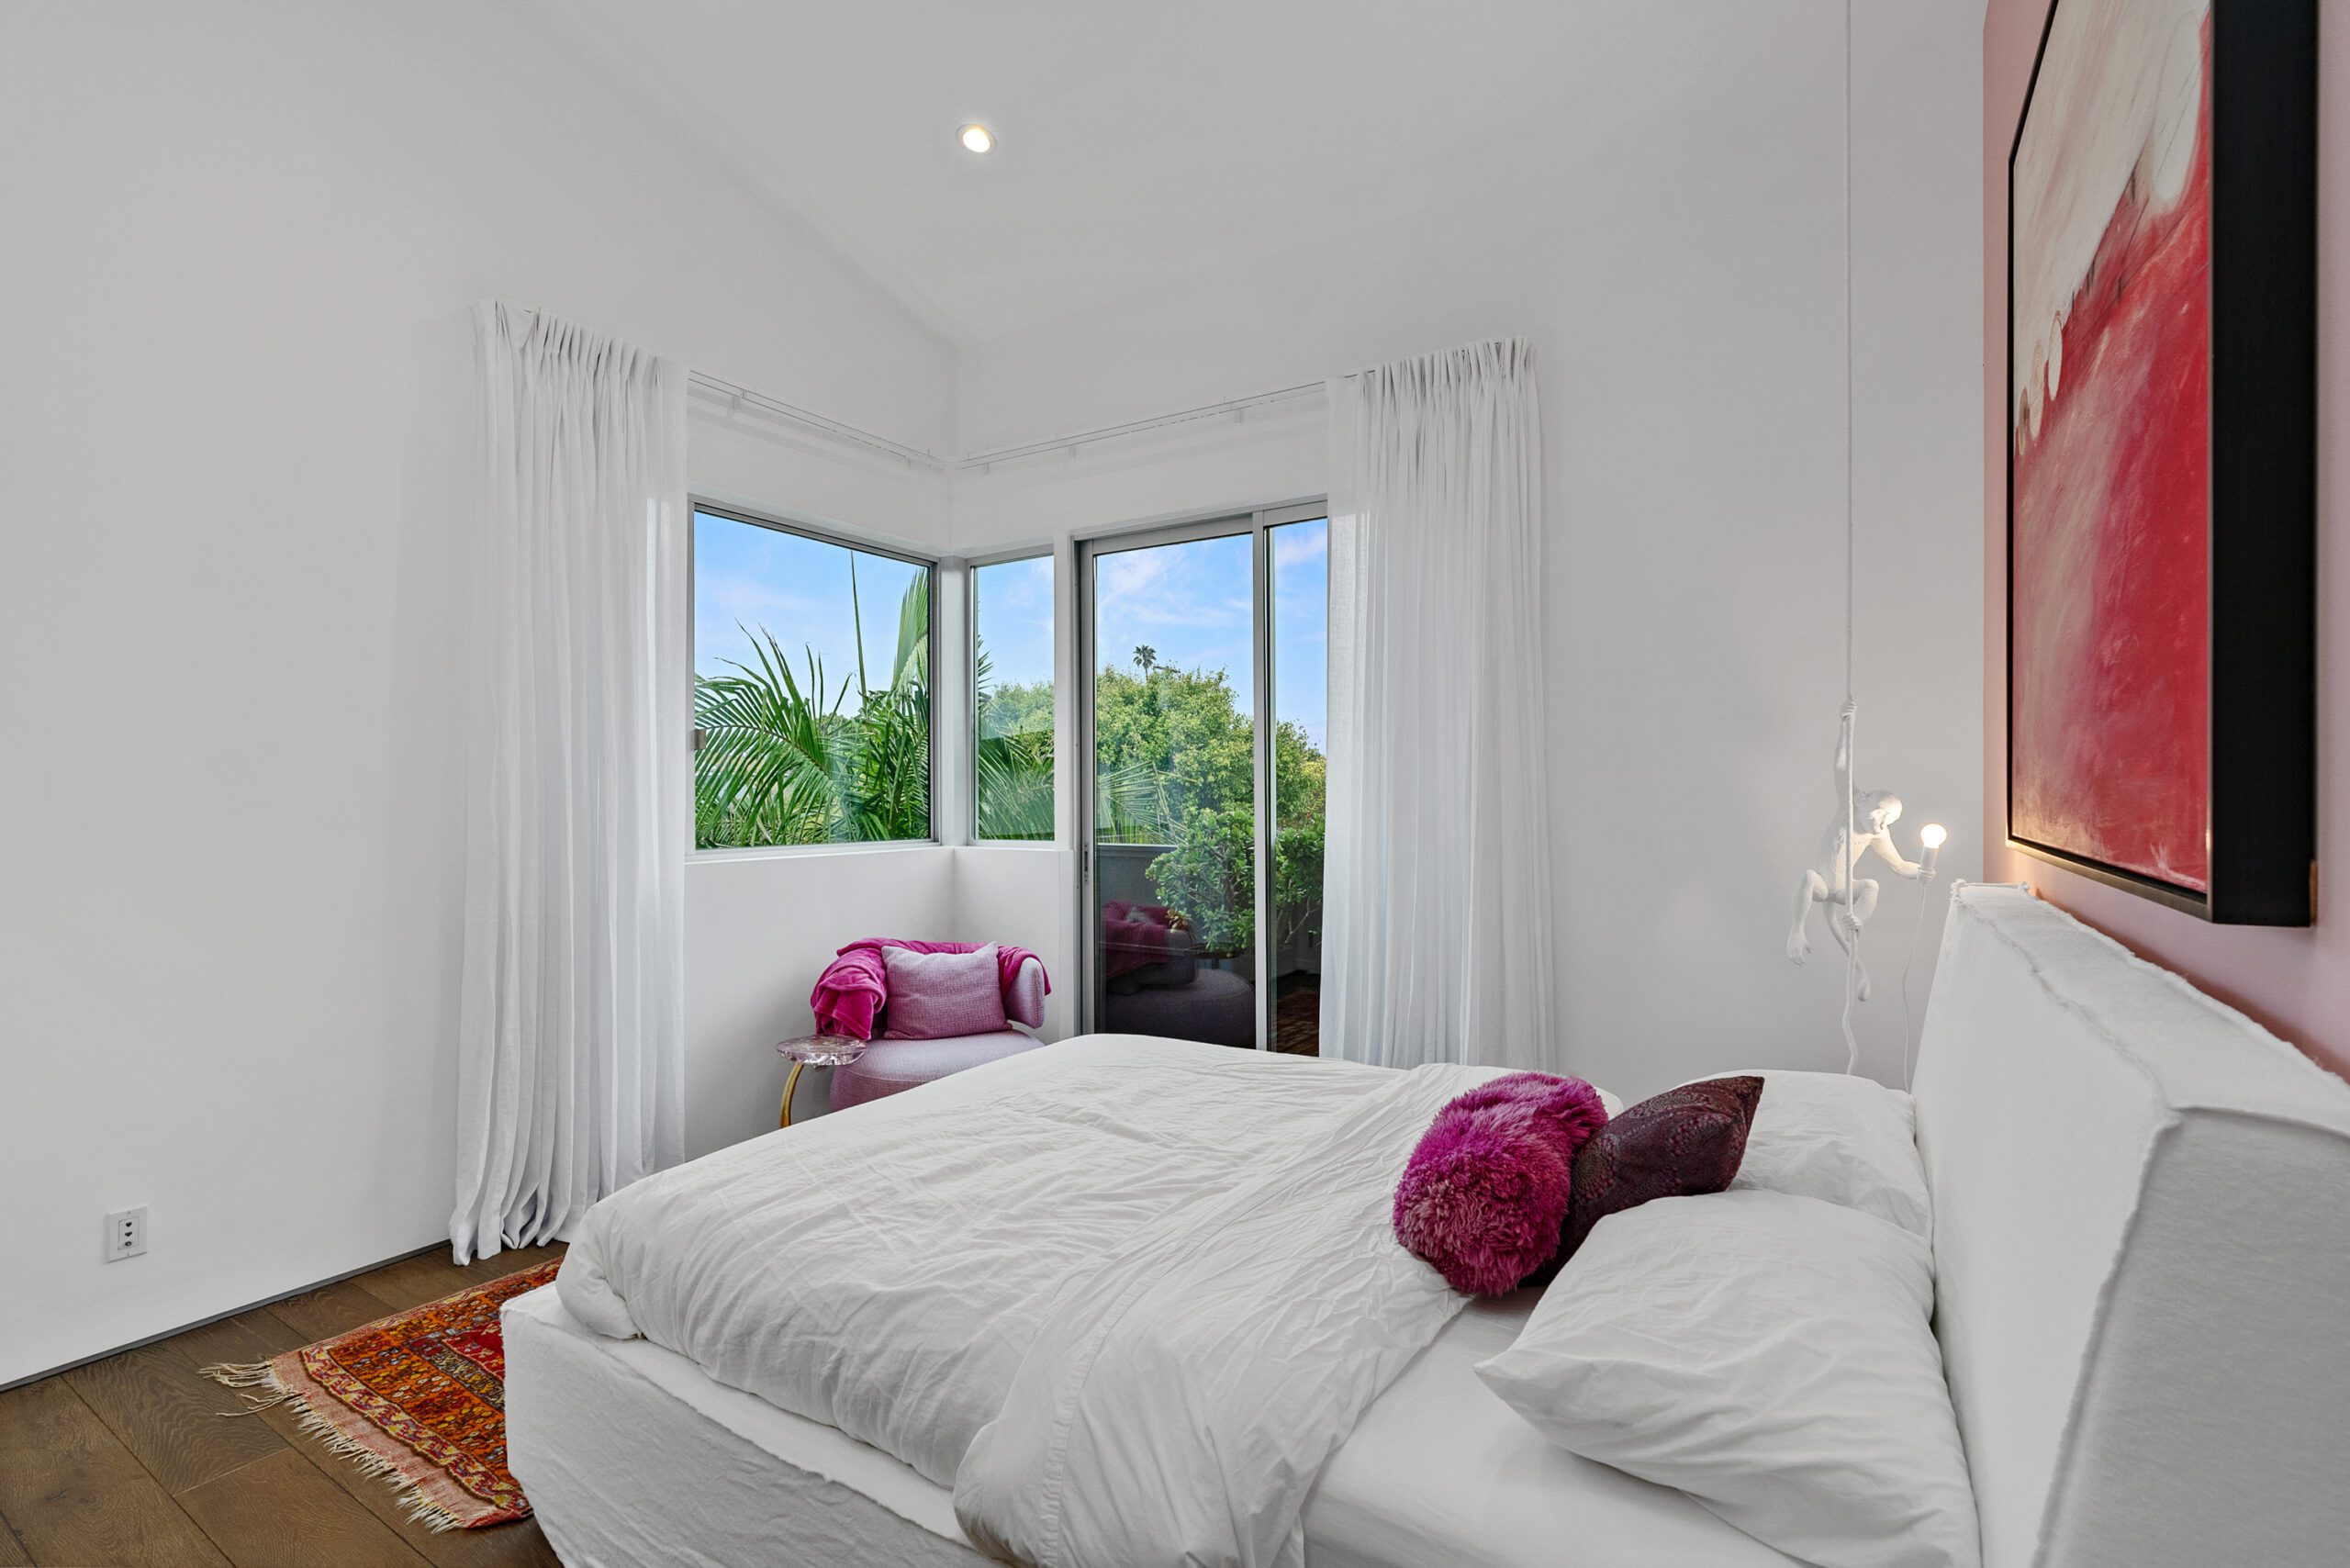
(1138, 142)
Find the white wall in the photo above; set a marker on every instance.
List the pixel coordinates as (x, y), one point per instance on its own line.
(1681, 277)
(242, 241)
(1025, 895)
(752, 957)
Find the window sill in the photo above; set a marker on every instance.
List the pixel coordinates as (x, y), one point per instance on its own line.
(810, 851)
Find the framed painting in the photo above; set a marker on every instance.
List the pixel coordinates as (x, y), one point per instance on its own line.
(2162, 469)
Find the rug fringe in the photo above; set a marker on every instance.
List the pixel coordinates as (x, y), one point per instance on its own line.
(420, 1508)
(248, 1374)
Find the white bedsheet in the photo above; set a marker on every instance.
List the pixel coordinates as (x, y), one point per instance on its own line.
(1440, 1471)
(634, 1455)
(1126, 1295)
(1182, 1392)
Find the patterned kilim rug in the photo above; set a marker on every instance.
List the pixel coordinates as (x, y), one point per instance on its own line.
(417, 1399)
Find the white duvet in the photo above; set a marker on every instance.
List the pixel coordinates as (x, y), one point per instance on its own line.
(1123, 1295)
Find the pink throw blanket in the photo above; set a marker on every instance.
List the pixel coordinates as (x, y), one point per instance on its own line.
(1134, 937)
(855, 987)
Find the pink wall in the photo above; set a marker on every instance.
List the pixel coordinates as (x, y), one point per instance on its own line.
(2297, 982)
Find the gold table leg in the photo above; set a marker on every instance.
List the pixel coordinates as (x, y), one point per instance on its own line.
(788, 1085)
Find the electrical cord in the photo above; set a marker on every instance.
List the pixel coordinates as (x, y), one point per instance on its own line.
(1852, 722)
(1908, 962)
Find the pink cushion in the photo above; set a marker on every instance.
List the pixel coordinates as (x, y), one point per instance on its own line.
(935, 995)
(889, 1066)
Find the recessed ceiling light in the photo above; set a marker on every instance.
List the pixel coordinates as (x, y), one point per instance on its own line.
(977, 138)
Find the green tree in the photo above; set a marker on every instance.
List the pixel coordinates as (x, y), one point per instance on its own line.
(1211, 876)
(785, 759)
(1184, 729)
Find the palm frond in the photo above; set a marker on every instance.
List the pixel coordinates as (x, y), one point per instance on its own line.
(911, 667)
(782, 763)
(1015, 785)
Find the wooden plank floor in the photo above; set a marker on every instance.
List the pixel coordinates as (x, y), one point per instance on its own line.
(128, 1462)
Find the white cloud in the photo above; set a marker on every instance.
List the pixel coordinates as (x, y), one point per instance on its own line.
(1296, 546)
(1132, 571)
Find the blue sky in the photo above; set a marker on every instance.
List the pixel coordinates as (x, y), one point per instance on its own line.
(1015, 619)
(799, 589)
(1189, 602)
(1302, 626)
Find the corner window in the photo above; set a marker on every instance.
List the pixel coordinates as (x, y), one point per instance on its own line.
(812, 688)
(1012, 699)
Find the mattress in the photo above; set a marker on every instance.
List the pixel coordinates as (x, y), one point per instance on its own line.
(632, 1455)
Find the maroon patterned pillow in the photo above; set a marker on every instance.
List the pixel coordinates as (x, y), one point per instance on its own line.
(1688, 1139)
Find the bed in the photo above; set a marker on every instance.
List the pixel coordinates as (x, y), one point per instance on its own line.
(636, 1456)
(2140, 1242)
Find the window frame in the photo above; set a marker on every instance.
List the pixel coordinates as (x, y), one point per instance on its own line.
(822, 532)
(1256, 524)
(972, 566)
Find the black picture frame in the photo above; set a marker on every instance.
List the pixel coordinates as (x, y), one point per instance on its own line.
(2263, 737)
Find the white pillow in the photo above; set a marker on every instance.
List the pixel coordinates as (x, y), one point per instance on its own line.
(1771, 1357)
(1844, 1140)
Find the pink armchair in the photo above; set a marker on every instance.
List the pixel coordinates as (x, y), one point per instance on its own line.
(891, 1066)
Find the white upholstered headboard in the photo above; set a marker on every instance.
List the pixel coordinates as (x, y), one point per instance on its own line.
(2142, 1213)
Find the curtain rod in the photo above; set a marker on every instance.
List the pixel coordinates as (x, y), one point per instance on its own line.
(1184, 416)
(737, 396)
(1137, 427)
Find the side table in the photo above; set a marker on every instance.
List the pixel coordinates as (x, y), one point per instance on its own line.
(814, 1050)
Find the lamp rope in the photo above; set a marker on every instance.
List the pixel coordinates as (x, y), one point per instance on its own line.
(1851, 708)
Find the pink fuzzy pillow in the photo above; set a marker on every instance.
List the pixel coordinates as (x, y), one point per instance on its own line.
(1484, 1194)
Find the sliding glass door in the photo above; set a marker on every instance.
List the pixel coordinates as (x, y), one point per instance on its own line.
(1202, 871)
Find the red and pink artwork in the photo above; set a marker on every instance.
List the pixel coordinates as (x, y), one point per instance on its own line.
(2109, 637)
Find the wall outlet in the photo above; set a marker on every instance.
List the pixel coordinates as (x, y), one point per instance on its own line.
(126, 1232)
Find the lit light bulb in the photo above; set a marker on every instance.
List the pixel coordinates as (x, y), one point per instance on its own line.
(977, 138)
(1932, 836)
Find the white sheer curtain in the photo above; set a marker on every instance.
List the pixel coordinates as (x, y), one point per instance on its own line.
(1437, 924)
(571, 1024)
